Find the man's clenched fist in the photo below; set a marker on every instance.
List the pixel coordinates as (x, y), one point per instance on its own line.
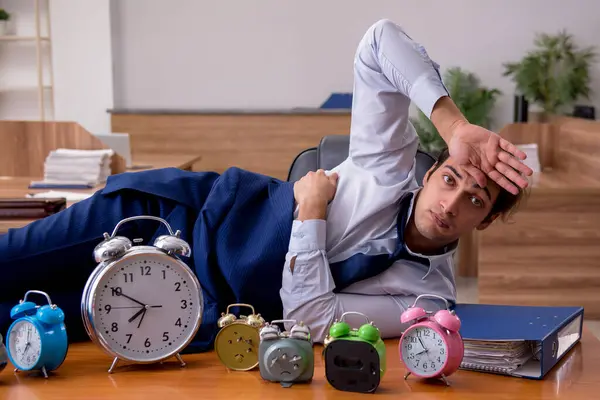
(313, 192)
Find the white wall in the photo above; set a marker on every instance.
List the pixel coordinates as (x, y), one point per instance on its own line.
(198, 54)
(82, 56)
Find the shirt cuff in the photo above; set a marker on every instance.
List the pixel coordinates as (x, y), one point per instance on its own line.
(308, 235)
(426, 91)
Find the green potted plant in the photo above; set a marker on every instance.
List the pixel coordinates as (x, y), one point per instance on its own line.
(4, 18)
(473, 100)
(554, 75)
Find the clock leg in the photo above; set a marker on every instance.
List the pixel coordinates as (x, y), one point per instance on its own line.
(45, 372)
(16, 370)
(445, 380)
(406, 375)
(178, 356)
(113, 365)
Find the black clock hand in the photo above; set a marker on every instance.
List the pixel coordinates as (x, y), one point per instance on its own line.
(28, 340)
(422, 345)
(137, 314)
(143, 315)
(425, 350)
(130, 298)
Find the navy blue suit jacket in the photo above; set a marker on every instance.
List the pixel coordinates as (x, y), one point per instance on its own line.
(238, 224)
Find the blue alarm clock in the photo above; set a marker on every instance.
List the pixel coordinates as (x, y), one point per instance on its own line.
(37, 339)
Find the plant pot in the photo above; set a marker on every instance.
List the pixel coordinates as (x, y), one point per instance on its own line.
(538, 116)
(3, 26)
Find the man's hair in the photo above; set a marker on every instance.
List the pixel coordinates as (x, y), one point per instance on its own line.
(506, 203)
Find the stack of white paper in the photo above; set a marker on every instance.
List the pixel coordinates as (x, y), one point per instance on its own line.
(499, 356)
(77, 167)
(533, 158)
(532, 161)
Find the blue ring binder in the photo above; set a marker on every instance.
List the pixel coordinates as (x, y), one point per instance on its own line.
(520, 341)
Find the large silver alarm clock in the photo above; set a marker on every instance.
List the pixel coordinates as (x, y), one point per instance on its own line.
(142, 304)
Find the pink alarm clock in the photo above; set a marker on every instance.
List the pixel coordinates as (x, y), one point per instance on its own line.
(432, 346)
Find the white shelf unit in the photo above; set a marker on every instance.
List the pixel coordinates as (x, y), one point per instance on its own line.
(43, 43)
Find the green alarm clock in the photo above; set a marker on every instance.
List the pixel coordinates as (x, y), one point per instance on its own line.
(37, 339)
(355, 359)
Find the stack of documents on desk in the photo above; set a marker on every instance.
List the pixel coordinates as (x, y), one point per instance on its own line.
(70, 168)
(498, 356)
(532, 161)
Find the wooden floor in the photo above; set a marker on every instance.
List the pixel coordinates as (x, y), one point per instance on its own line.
(84, 376)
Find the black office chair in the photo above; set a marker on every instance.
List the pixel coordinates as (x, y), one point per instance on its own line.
(333, 150)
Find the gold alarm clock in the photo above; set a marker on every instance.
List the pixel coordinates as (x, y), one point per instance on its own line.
(238, 339)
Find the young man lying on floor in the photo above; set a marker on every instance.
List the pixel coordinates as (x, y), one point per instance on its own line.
(363, 237)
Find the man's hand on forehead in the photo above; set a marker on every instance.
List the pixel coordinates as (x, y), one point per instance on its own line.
(482, 153)
(479, 151)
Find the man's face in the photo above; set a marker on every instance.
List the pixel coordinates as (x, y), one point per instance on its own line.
(451, 204)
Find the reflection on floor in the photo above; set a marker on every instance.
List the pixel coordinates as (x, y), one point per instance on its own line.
(467, 293)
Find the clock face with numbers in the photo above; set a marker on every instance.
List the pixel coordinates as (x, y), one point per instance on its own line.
(144, 307)
(24, 344)
(424, 351)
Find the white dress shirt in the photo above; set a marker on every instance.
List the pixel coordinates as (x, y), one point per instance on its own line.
(390, 71)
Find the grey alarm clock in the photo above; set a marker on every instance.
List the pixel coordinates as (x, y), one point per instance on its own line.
(3, 355)
(286, 357)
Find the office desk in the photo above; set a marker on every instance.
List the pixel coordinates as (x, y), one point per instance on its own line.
(17, 187)
(84, 375)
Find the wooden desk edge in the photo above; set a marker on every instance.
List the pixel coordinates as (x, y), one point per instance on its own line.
(148, 162)
(85, 370)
